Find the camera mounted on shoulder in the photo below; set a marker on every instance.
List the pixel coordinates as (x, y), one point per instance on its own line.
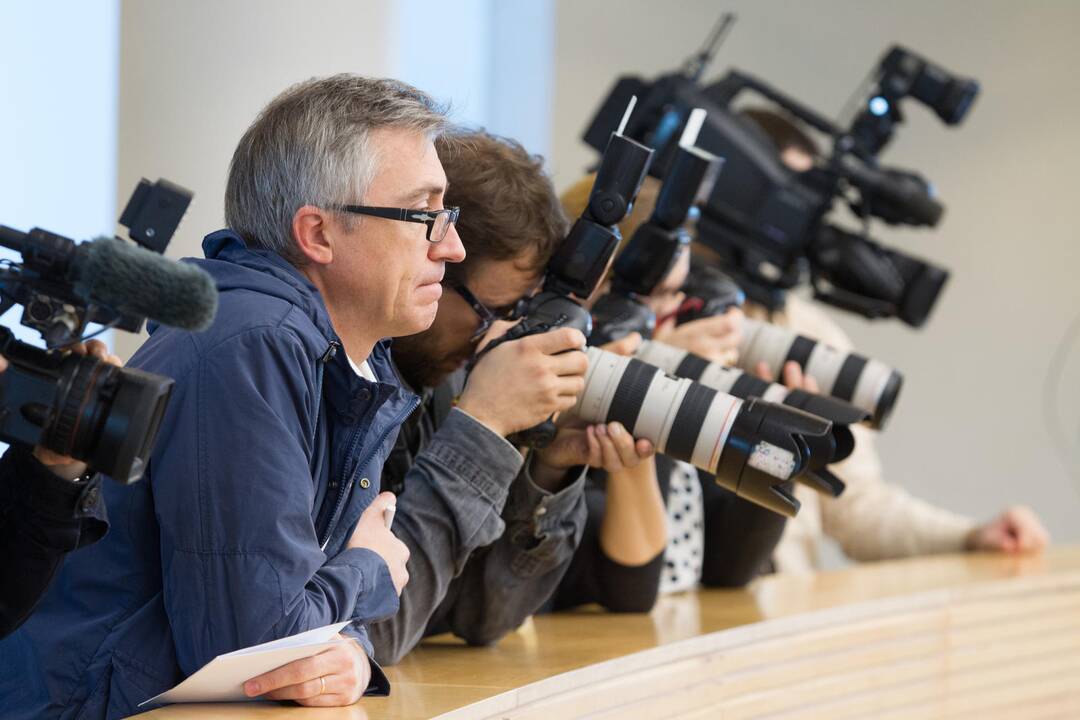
(766, 220)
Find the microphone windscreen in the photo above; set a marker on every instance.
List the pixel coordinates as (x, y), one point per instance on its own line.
(132, 280)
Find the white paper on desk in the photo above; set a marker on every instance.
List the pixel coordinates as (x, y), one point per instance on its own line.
(222, 679)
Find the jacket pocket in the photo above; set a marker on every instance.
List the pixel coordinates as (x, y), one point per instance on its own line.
(122, 687)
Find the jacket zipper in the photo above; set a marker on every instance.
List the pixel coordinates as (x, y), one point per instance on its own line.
(352, 448)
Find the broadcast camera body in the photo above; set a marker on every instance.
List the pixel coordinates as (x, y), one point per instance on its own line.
(79, 406)
(766, 221)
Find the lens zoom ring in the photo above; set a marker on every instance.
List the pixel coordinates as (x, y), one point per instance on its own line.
(748, 386)
(689, 421)
(800, 350)
(691, 367)
(630, 394)
(848, 378)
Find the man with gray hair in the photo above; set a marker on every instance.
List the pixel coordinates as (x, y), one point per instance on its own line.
(259, 516)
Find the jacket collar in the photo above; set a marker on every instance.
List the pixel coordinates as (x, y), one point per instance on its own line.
(236, 266)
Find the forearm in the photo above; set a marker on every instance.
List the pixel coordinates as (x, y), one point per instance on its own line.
(512, 578)
(874, 520)
(454, 498)
(593, 577)
(42, 519)
(886, 522)
(634, 528)
(740, 536)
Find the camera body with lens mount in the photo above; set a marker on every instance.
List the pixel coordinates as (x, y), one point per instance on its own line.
(577, 268)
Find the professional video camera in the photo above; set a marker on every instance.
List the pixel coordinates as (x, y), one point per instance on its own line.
(765, 220)
(77, 405)
(754, 448)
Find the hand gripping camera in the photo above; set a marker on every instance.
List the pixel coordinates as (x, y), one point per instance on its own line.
(77, 405)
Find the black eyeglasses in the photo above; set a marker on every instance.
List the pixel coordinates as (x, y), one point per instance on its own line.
(438, 221)
(489, 316)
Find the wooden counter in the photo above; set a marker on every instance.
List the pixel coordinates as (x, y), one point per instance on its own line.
(974, 636)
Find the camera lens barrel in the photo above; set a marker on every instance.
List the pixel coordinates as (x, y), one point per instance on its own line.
(754, 448)
(82, 407)
(741, 384)
(867, 384)
(107, 416)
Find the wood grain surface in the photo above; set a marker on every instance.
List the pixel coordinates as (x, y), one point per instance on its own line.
(972, 636)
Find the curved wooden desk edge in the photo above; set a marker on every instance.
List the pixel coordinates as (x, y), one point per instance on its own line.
(947, 636)
(928, 629)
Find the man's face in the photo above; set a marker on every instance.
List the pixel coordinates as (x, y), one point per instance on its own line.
(387, 269)
(428, 358)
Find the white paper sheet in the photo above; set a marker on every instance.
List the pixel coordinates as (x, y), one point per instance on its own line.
(222, 679)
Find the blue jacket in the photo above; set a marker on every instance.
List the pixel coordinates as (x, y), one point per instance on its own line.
(270, 449)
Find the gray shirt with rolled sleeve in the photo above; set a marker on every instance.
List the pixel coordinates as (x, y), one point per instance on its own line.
(487, 546)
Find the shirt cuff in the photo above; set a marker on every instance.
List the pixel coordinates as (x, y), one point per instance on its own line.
(945, 533)
(473, 421)
(380, 684)
(546, 508)
(42, 494)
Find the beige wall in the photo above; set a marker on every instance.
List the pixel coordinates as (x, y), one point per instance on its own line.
(969, 431)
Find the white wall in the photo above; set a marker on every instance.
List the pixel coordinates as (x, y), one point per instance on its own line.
(58, 66)
(969, 431)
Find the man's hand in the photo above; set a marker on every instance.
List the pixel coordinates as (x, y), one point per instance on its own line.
(604, 446)
(1014, 531)
(62, 465)
(338, 676)
(521, 383)
(714, 338)
(371, 533)
(794, 378)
